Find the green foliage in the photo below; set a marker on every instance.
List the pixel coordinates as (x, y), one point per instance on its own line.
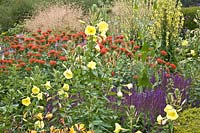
(188, 121)
(189, 63)
(189, 15)
(15, 11)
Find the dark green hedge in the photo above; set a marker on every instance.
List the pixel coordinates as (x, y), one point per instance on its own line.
(189, 15)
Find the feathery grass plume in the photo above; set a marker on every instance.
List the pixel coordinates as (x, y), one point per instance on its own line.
(57, 17)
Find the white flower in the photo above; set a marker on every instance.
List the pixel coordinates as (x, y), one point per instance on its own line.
(119, 93)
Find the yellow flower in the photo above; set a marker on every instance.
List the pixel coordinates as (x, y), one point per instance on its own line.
(61, 92)
(49, 115)
(172, 114)
(35, 90)
(118, 128)
(39, 96)
(103, 26)
(39, 124)
(160, 119)
(184, 43)
(138, 131)
(65, 87)
(68, 74)
(167, 108)
(26, 101)
(91, 65)
(66, 95)
(48, 85)
(97, 48)
(80, 127)
(192, 52)
(71, 130)
(90, 30)
(3, 33)
(39, 116)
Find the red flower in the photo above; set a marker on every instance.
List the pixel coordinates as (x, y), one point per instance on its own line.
(103, 50)
(123, 49)
(113, 73)
(136, 47)
(132, 42)
(52, 62)
(135, 77)
(34, 47)
(120, 37)
(160, 61)
(49, 31)
(3, 66)
(113, 46)
(29, 45)
(37, 55)
(167, 63)
(173, 66)
(62, 58)
(163, 52)
(40, 62)
(39, 30)
(128, 54)
(32, 60)
(28, 69)
(22, 64)
(6, 53)
(167, 75)
(118, 41)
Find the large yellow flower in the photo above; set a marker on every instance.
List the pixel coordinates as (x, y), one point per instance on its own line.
(90, 30)
(65, 87)
(68, 74)
(167, 108)
(172, 114)
(91, 65)
(103, 26)
(118, 128)
(35, 90)
(26, 101)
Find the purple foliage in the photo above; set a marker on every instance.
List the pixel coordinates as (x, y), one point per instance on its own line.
(151, 102)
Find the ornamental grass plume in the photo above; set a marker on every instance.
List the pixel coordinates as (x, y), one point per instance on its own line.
(57, 17)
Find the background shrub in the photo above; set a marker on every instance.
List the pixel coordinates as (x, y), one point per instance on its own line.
(189, 15)
(15, 11)
(188, 121)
